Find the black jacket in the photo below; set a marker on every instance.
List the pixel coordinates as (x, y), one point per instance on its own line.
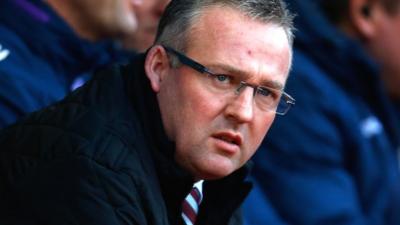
(101, 156)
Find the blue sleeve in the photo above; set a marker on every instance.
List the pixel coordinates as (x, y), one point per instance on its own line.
(27, 82)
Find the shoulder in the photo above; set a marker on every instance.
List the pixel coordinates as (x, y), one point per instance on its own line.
(95, 120)
(309, 74)
(316, 90)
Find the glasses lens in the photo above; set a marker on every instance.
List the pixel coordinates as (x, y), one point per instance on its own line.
(267, 98)
(284, 104)
(220, 84)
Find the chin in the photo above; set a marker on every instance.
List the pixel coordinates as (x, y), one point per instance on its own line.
(217, 172)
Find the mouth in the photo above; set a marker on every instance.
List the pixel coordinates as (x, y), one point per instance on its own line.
(230, 138)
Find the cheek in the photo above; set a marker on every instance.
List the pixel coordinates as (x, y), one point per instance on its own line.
(189, 109)
(198, 116)
(202, 105)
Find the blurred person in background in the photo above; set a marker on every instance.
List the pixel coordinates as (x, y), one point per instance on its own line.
(333, 158)
(148, 14)
(46, 47)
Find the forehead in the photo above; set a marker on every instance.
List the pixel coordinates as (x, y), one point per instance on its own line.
(223, 35)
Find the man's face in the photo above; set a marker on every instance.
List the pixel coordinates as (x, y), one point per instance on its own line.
(148, 15)
(385, 47)
(216, 135)
(107, 18)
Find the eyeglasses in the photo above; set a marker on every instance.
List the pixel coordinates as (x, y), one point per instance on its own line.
(266, 98)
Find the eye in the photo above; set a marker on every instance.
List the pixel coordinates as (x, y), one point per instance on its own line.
(222, 78)
(265, 92)
(222, 82)
(272, 94)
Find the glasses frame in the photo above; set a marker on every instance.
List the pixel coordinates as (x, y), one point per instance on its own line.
(286, 98)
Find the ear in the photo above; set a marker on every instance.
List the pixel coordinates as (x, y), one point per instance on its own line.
(364, 17)
(156, 66)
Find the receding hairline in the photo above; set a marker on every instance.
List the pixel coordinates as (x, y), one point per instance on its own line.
(276, 13)
(203, 11)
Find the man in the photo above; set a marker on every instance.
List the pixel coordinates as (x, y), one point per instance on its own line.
(148, 15)
(128, 146)
(333, 159)
(46, 46)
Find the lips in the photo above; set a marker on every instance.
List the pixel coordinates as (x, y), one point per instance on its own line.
(229, 137)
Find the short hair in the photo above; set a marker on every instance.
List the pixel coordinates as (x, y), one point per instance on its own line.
(179, 16)
(338, 11)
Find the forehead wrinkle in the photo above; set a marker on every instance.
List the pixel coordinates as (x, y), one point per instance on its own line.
(219, 31)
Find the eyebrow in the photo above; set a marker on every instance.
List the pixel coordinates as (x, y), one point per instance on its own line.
(244, 75)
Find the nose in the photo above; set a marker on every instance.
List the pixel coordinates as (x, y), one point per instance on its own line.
(241, 107)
